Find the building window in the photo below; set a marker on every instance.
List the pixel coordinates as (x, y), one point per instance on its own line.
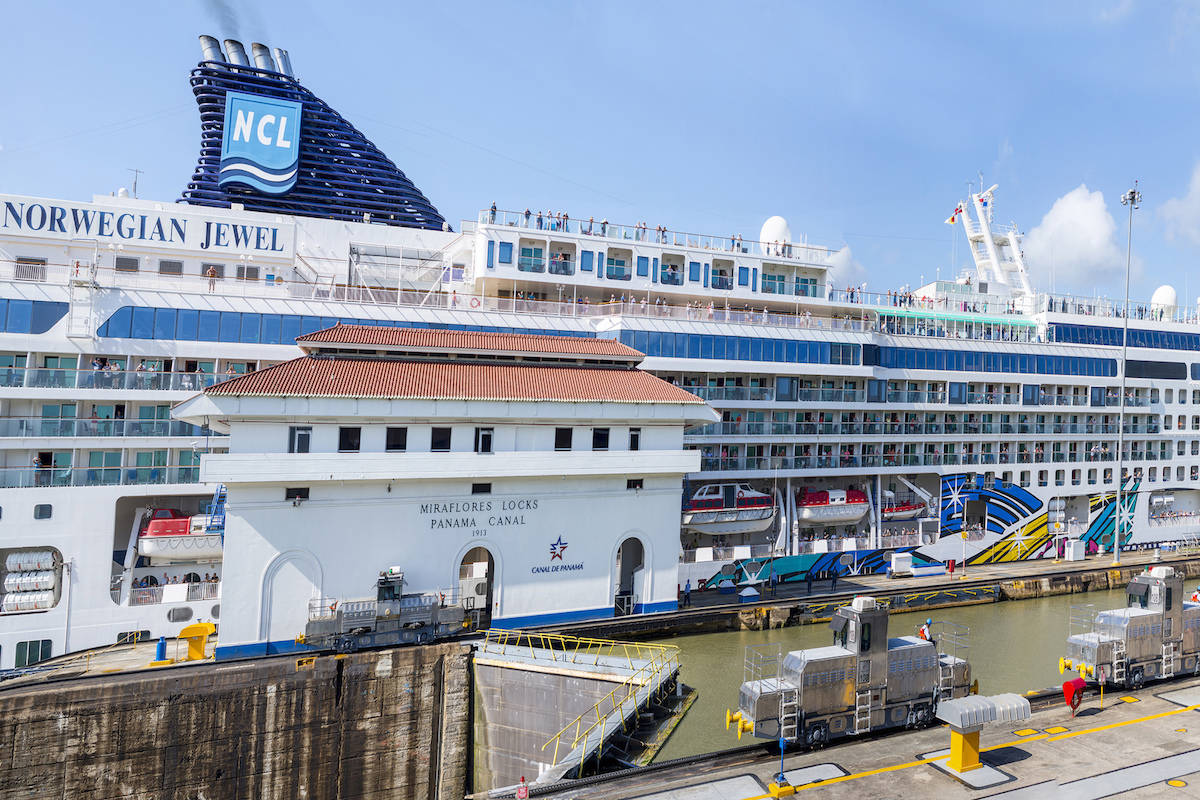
(635, 483)
(30, 653)
(483, 440)
(439, 440)
(246, 272)
(29, 269)
(170, 267)
(299, 438)
(481, 488)
(126, 264)
(635, 439)
(397, 440)
(296, 493)
(599, 438)
(43, 511)
(562, 438)
(214, 271)
(349, 440)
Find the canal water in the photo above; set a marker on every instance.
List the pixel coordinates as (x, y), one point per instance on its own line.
(1014, 647)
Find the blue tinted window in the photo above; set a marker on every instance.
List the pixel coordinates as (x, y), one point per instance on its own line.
(164, 323)
(20, 313)
(186, 322)
(270, 328)
(491, 254)
(210, 326)
(694, 271)
(585, 261)
(743, 276)
(251, 326)
(143, 323)
(231, 326)
(643, 266)
(506, 252)
(45, 315)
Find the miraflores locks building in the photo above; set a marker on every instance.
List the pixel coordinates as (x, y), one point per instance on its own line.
(541, 475)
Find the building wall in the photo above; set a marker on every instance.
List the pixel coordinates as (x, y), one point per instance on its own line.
(335, 544)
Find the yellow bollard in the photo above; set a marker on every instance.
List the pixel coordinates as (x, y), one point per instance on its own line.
(197, 636)
(964, 750)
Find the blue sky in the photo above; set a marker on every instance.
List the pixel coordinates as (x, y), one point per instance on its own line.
(861, 123)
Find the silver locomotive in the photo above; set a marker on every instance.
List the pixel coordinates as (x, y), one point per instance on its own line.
(392, 618)
(1156, 635)
(863, 682)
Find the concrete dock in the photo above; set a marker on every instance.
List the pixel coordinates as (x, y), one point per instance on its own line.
(1142, 744)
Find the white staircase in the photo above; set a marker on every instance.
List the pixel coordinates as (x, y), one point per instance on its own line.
(862, 710)
(1119, 662)
(1170, 656)
(945, 680)
(81, 293)
(789, 714)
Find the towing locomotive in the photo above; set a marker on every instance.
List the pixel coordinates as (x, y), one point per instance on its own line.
(392, 618)
(1156, 635)
(865, 681)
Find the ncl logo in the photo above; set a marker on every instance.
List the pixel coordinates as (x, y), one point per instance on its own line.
(260, 147)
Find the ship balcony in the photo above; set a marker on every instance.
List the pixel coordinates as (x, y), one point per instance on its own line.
(31, 378)
(41, 427)
(175, 593)
(41, 477)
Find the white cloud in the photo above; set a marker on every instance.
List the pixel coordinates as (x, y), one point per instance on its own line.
(1182, 214)
(1116, 12)
(845, 270)
(1076, 242)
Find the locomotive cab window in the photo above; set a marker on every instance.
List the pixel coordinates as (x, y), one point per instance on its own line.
(866, 638)
(1137, 595)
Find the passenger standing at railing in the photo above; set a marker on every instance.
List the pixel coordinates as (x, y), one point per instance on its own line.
(211, 274)
(539, 220)
(492, 214)
(566, 221)
(591, 221)
(604, 227)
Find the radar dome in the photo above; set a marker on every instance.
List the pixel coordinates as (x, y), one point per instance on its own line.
(1165, 298)
(774, 229)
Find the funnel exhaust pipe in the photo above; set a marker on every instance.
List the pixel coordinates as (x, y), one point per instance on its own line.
(262, 56)
(236, 53)
(283, 62)
(210, 49)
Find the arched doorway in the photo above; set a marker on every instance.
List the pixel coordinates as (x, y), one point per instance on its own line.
(290, 581)
(476, 582)
(631, 556)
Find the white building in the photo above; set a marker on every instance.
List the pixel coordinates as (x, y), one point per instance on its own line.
(543, 473)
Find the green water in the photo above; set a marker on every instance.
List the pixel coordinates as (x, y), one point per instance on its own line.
(1014, 647)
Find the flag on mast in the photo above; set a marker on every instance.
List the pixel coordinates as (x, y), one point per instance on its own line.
(954, 217)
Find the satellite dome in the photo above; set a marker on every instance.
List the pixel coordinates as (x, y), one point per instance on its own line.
(1165, 298)
(774, 229)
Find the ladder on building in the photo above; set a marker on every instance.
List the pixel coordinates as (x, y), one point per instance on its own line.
(862, 710)
(945, 680)
(1118, 656)
(789, 714)
(81, 293)
(1169, 655)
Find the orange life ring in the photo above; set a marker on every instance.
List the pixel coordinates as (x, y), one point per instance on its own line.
(741, 495)
(474, 302)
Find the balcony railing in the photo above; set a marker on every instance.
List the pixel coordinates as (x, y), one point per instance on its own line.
(43, 378)
(32, 427)
(531, 264)
(27, 477)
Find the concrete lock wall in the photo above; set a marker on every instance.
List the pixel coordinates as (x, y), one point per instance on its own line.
(385, 724)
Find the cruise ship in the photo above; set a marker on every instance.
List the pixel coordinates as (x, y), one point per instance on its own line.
(971, 419)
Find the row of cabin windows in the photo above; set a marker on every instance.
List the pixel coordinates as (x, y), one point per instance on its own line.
(299, 493)
(167, 266)
(31, 652)
(396, 439)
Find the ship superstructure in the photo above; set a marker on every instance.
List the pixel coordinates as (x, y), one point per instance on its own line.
(874, 420)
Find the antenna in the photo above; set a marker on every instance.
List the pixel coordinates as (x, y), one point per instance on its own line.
(135, 172)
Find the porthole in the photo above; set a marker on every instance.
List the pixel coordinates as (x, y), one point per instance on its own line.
(181, 614)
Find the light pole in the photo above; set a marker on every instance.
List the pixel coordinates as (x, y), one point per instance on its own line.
(1133, 199)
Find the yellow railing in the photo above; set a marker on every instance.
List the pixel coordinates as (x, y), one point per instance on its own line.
(651, 664)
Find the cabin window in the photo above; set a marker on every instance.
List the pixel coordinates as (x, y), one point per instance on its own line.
(481, 488)
(170, 267)
(635, 483)
(213, 271)
(245, 272)
(296, 493)
(562, 438)
(43, 511)
(126, 264)
(439, 440)
(349, 440)
(635, 439)
(599, 438)
(31, 652)
(299, 438)
(397, 440)
(132, 637)
(483, 440)
(180, 614)
(29, 269)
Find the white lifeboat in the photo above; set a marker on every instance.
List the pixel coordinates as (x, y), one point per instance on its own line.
(171, 536)
(830, 507)
(728, 509)
(902, 511)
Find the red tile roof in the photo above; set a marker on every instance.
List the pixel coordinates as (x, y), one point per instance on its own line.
(451, 380)
(430, 339)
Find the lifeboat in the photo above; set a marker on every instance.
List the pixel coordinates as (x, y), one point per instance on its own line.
(169, 535)
(902, 511)
(831, 507)
(728, 508)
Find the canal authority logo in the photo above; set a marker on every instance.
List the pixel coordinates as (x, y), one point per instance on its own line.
(557, 548)
(260, 145)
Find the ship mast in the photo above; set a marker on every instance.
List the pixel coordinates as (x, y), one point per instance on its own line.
(996, 249)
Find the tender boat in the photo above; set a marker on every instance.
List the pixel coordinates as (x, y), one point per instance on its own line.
(830, 507)
(728, 508)
(169, 536)
(902, 511)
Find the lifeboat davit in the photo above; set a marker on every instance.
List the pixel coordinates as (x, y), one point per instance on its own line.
(728, 508)
(171, 536)
(903, 511)
(830, 507)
